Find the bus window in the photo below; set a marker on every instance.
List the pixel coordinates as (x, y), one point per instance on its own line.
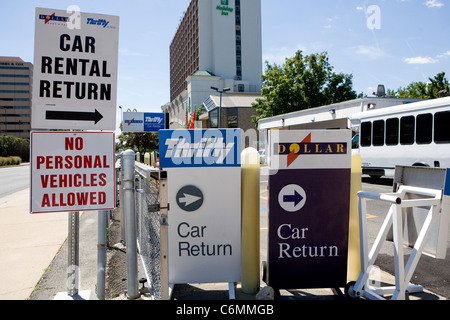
(378, 133)
(424, 131)
(355, 141)
(441, 127)
(366, 134)
(407, 130)
(392, 132)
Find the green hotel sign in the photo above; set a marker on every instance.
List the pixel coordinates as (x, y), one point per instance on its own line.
(224, 7)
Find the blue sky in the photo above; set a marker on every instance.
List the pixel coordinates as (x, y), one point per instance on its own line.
(390, 42)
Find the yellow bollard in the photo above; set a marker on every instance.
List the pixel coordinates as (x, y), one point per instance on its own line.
(153, 159)
(250, 221)
(147, 158)
(354, 253)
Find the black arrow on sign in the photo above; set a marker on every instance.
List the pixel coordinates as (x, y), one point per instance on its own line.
(74, 116)
(296, 198)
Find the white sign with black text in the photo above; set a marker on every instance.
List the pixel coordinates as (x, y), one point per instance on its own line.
(205, 204)
(75, 70)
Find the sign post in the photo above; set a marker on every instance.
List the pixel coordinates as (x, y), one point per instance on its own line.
(75, 88)
(73, 258)
(309, 188)
(75, 70)
(204, 171)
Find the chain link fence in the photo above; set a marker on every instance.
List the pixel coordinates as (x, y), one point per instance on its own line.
(152, 233)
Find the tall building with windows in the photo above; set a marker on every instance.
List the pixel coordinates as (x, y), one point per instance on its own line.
(218, 43)
(16, 78)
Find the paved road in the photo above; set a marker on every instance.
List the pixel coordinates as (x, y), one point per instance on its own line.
(14, 179)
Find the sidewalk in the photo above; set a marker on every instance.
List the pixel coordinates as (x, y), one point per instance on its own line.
(53, 285)
(28, 243)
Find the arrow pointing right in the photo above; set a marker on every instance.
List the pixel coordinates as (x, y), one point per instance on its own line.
(296, 198)
(74, 116)
(189, 199)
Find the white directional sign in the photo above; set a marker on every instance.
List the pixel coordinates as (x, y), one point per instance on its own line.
(72, 171)
(205, 218)
(75, 70)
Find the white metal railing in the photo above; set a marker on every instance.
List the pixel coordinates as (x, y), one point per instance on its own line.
(406, 198)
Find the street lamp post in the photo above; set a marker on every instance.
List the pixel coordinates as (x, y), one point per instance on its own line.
(220, 104)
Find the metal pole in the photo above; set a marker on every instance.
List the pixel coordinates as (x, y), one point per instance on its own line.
(73, 253)
(121, 202)
(164, 235)
(220, 111)
(101, 253)
(128, 162)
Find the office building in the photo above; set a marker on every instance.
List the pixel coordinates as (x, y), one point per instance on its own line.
(16, 78)
(218, 43)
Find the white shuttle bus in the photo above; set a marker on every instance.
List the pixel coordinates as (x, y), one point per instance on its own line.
(415, 134)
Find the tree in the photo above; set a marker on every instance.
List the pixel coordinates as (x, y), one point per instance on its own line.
(303, 82)
(14, 146)
(437, 84)
(415, 90)
(422, 90)
(142, 142)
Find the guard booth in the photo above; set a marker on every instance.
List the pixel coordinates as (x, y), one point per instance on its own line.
(204, 194)
(309, 200)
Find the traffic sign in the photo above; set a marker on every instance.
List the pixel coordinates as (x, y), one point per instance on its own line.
(75, 70)
(72, 171)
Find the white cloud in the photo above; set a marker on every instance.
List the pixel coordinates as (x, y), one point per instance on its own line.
(444, 55)
(278, 55)
(420, 60)
(434, 4)
(359, 8)
(330, 22)
(371, 52)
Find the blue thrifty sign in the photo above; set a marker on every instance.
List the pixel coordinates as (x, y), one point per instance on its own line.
(143, 122)
(200, 148)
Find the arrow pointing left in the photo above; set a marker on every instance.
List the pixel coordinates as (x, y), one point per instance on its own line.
(74, 116)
